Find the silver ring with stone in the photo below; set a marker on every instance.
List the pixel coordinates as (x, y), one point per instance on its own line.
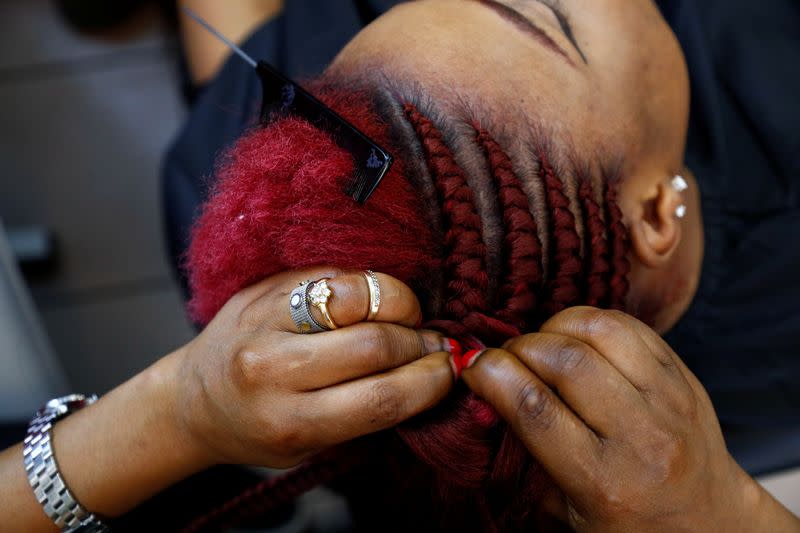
(374, 294)
(301, 313)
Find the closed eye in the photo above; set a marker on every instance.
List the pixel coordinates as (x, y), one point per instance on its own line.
(566, 27)
(526, 25)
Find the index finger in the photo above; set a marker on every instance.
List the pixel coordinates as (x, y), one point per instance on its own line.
(555, 435)
(634, 349)
(366, 405)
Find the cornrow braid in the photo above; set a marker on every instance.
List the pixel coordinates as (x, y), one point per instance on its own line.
(522, 248)
(465, 264)
(597, 250)
(565, 247)
(620, 244)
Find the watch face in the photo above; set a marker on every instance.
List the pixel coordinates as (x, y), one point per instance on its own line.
(66, 404)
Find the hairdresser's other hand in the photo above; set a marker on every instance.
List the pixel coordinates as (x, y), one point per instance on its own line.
(622, 426)
(254, 391)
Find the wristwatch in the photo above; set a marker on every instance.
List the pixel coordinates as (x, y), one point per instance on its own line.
(44, 476)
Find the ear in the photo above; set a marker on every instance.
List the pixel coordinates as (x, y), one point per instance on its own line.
(655, 228)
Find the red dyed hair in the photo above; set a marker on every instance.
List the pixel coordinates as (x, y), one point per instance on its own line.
(278, 205)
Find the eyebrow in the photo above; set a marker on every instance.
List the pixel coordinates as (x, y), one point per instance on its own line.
(524, 23)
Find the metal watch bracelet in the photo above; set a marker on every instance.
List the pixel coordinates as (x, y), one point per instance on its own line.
(48, 486)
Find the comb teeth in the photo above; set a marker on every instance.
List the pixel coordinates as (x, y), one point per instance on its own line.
(282, 96)
(357, 185)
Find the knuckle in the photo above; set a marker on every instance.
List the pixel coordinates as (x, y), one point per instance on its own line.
(611, 504)
(497, 362)
(665, 456)
(570, 357)
(248, 368)
(289, 439)
(377, 341)
(518, 344)
(534, 406)
(686, 407)
(590, 321)
(608, 496)
(603, 323)
(567, 318)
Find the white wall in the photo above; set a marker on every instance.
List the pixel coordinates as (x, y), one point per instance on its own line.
(786, 489)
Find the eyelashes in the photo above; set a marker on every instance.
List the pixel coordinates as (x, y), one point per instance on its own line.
(564, 22)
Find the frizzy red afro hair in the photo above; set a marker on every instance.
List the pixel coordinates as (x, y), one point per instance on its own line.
(277, 204)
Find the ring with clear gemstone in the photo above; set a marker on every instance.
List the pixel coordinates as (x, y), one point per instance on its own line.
(318, 295)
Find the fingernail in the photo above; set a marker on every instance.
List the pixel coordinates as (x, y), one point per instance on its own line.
(471, 357)
(456, 358)
(454, 366)
(432, 341)
(419, 322)
(454, 347)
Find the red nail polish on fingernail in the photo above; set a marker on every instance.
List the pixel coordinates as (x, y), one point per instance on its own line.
(470, 358)
(455, 366)
(455, 348)
(419, 323)
(456, 357)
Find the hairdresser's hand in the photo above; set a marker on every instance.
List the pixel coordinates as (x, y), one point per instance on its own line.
(622, 426)
(254, 391)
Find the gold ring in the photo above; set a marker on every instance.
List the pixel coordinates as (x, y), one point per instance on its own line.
(318, 296)
(374, 294)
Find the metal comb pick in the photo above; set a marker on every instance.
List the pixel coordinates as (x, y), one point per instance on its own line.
(282, 96)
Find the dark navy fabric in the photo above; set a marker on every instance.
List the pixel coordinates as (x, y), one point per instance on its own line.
(741, 335)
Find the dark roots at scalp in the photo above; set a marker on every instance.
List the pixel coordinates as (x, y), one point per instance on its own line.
(280, 185)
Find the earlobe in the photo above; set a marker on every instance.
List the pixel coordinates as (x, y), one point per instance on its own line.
(656, 231)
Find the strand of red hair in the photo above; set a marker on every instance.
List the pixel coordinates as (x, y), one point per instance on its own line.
(565, 266)
(620, 245)
(522, 247)
(597, 252)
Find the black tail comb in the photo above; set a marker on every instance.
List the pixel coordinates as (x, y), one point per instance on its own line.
(282, 97)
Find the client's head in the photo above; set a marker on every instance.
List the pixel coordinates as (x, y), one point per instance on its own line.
(535, 151)
(601, 85)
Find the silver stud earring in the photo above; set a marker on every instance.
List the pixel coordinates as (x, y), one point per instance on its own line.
(680, 185)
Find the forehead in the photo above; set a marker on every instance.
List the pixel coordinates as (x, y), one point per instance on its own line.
(460, 49)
